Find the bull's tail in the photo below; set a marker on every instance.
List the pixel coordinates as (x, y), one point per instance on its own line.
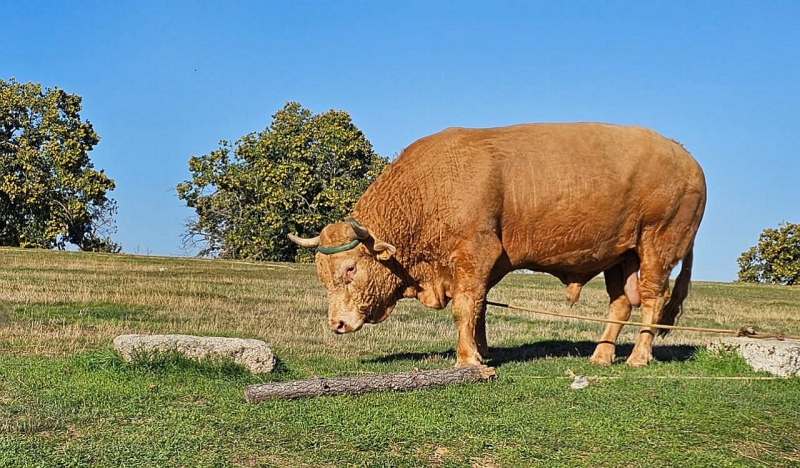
(674, 306)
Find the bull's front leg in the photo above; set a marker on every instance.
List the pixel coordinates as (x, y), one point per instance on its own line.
(466, 309)
(473, 264)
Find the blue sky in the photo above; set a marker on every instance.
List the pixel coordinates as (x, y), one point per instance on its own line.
(162, 81)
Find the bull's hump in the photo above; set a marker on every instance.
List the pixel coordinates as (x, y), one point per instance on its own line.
(547, 126)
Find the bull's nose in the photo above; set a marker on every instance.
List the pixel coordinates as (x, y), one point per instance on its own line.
(340, 327)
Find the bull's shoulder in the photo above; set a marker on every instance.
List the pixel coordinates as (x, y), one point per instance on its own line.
(448, 136)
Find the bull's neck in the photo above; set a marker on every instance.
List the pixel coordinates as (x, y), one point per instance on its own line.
(392, 223)
(393, 209)
(414, 265)
(392, 228)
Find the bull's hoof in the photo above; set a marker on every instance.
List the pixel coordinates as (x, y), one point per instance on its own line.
(468, 362)
(638, 360)
(603, 355)
(604, 360)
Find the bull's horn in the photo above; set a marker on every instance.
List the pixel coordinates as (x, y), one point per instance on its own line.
(303, 242)
(358, 232)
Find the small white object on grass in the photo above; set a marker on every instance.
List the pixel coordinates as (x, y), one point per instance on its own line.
(255, 355)
(579, 383)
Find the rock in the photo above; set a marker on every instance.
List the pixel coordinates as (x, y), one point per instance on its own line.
(778, 357)
(255, 355)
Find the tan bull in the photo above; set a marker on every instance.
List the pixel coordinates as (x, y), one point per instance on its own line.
(460, 209)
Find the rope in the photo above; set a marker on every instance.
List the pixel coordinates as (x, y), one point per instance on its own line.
(743, 331)
(592, 378)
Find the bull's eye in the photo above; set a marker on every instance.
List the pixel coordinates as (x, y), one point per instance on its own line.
(348, 274)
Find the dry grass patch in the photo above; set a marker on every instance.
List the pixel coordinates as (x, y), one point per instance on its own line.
(285, 305)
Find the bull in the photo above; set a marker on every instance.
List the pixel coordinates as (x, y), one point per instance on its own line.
(460, 209)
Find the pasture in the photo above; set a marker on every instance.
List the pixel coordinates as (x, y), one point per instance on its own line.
(67, 400)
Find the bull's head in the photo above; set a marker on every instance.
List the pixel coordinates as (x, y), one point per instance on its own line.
(355, 269)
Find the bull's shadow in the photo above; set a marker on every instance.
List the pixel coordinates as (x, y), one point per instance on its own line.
(544, 349)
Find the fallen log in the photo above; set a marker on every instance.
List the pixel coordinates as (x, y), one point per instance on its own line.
(398, 382)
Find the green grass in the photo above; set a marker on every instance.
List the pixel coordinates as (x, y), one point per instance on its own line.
(67, 400)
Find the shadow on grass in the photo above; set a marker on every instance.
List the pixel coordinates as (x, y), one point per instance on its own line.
(544, 349)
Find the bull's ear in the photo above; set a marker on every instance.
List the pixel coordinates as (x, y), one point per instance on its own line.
(384, 250)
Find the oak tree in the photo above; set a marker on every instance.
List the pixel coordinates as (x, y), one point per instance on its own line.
(775, 259)
(50, 193)
(300, 173)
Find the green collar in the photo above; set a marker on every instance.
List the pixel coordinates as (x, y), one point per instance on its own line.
(344, 247)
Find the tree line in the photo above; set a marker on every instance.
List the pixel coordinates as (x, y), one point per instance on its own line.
(301, 172)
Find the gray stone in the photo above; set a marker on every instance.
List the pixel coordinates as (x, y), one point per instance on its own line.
(255, 355)
(778, 357)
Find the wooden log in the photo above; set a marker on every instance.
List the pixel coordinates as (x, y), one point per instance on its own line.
(398, 382)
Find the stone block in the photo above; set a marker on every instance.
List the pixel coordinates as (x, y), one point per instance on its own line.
(255, 355)
(778, 357)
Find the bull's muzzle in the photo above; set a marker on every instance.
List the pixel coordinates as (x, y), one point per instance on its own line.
(341, 327)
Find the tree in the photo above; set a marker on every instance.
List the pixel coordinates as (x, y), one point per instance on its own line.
(300, 173)
(50, 194)
(775, 259)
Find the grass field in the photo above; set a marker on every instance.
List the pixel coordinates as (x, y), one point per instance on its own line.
(67, 400)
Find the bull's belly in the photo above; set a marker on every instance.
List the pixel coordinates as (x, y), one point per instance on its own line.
(573, 265)
(570, 267)
(567, 253)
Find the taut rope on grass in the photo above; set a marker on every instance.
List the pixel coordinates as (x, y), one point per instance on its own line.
(748, 332)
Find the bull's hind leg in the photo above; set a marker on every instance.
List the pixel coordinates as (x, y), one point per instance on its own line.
(653, 287)
(620, 309)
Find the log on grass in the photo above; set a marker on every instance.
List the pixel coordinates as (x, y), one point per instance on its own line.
(398, 382)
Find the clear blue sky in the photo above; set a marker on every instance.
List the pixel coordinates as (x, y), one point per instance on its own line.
(163, 81)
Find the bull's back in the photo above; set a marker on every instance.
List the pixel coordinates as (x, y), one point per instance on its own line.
(563, 194)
